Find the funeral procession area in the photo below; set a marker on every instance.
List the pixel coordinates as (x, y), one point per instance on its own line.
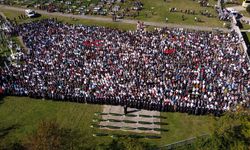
(159, 71)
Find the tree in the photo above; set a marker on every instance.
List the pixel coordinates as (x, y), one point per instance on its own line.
(49, 136)
(128, 144)
(232, 131)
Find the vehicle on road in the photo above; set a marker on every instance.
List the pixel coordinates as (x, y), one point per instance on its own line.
(30, 13)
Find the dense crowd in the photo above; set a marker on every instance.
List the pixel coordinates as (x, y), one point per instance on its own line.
(166, 70)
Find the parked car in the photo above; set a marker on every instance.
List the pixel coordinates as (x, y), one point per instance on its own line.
(30, 13)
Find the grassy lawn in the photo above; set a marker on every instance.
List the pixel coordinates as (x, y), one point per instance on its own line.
(182, 126)
(4, 50)
(161, 11)
(26, 113)
(245, 26)
(245, 13)
(236, 3)
(230, 5)
(158, 10)
(14, 15)
(248, 35)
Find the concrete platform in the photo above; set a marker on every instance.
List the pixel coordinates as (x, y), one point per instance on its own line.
(119, 110)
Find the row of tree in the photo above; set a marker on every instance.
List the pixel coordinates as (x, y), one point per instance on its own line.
(232, 132)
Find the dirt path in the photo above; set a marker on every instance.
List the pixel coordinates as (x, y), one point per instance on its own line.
(2, 14)
(157, 24)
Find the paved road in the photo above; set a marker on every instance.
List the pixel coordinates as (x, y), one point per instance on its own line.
(158, 24)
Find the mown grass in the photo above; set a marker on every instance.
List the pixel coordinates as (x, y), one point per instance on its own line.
(156, 11)
(13, 15)
(26, 113)
(183, 126)
(245, 13)
(236, 3)
(247, 37)
(245, 26)
(160, 11)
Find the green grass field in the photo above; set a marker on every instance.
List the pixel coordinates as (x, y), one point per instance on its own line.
(157, 11)
(245, 26)
(245, 13)
(236, 3)
(26, 113)
(161, 11)
(14, 15)
(248, 35)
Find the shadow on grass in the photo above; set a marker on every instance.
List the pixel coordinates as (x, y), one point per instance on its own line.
(1, 99)
(239, 24)
(2, 60)
(245, 37)
(6, 130)
(247, 40)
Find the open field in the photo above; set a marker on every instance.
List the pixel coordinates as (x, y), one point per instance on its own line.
(234, 3)
(14, 15)
(26, 113)
(158, 10)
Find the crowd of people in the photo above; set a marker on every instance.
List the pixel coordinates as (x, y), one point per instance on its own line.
(223, 14)
(166, 69)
